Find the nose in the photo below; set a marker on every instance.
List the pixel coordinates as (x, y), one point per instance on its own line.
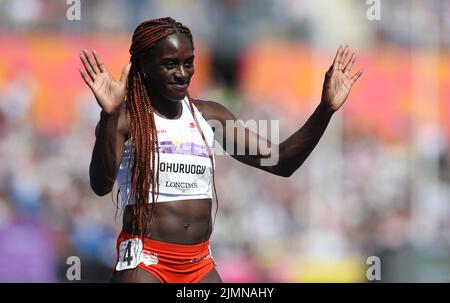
(181, 73)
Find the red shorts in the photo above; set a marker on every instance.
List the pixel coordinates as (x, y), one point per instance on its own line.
(169, 263)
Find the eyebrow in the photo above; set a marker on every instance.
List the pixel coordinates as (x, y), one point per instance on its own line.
(170, 58)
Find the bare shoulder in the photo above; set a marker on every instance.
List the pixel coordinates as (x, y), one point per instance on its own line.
(211, 110)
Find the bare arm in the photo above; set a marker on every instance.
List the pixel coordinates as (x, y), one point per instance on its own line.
(295, 150)
(288, 156)
(336, 89)
(112, 128)
(234, 136)
(108, 151)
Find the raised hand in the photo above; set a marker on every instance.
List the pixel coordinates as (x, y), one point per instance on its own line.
(109, 93)
(337, 85)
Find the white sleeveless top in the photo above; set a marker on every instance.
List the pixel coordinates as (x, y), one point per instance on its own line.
(185, 170)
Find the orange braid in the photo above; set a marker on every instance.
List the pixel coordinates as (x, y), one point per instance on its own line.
(143, 132)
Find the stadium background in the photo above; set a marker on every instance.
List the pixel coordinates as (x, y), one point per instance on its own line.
(378, 183)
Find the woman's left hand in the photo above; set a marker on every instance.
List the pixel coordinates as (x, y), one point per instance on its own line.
(337, 85)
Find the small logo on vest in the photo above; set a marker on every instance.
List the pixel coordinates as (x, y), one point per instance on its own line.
(148, 258)
(191, 125)
(182, 186)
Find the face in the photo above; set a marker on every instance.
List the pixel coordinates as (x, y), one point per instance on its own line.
(170, 67)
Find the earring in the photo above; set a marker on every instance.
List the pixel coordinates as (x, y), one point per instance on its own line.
(144, 75)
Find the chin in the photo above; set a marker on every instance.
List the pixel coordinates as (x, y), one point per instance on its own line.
(176, 97)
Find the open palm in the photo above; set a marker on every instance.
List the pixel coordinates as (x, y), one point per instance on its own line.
(109, 92)
(337, 84)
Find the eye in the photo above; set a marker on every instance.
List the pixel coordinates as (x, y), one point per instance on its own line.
(169, 64)
(189, 63)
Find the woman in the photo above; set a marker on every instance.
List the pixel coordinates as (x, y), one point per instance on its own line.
(155, 141)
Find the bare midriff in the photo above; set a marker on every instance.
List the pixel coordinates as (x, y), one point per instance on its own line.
(184, 222)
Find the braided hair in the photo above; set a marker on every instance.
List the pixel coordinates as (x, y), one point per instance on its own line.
(143, 133)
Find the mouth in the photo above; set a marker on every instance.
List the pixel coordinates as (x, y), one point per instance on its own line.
(179, 86)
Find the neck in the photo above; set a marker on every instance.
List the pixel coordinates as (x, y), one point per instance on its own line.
(166, 108)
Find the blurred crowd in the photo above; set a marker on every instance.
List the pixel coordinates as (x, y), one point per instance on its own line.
(228, 24)
(356, 196)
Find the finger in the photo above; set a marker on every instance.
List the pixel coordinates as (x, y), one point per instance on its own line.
(87, 66)
(125, 72)
(336, 58)
(99, 62)
(86, 79)
(356, 77)
(349, 65)
(342, 58)
(91, 62)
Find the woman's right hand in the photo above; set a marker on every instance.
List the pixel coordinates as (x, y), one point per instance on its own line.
(109, 93)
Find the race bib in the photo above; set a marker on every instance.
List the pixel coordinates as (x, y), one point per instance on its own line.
(187, 175)
(130, 254)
